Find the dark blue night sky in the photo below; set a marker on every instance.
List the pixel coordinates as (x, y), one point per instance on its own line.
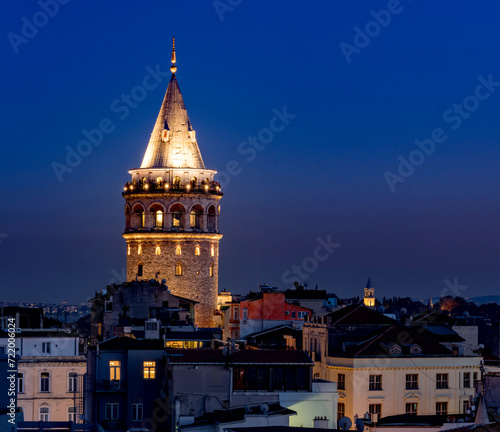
(358, 95)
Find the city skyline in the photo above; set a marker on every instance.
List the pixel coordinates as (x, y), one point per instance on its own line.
(319, 124)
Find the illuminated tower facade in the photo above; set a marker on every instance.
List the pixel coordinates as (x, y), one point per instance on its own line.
(172, 210)
(369, 298)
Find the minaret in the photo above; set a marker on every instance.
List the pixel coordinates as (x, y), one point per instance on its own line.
(172, 210)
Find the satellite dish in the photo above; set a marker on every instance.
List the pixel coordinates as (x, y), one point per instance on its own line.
(466, 314)
(264, 408)
(480, 346)
(381, 309)
(306, 284)
(345, 423)
(360, 425)
(403, 311)
(247, 408)
(163, 281)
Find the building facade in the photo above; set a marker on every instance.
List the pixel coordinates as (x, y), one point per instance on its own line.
(172, 210)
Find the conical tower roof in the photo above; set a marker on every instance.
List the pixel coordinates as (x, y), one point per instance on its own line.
(173, 142)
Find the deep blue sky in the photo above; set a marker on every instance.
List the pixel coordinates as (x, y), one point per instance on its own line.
(323, 175)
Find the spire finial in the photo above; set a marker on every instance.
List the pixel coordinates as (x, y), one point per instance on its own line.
(173, 68)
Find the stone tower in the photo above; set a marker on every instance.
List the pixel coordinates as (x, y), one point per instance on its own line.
(369, 298)
(172, 210)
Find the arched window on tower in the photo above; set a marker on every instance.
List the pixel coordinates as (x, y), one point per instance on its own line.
(159, 218)
(212, 251)
(178, 269)
(178, 250)
(211, 271)
(194, 183)
(139, 269)
(211, 219)
(139, 250)
(138, 217)
(176, 183)
(197, 251)
(128, 250)
(195, 218)
(177, 216)
(159, 181)
(157, 250)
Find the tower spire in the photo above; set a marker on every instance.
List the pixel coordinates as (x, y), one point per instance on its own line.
(173, 68)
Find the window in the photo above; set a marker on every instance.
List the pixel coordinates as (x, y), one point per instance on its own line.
(293, 314)
(466, 406)
(157, 250)
(139, 250)
(45, 347)
(112, 409)
(137, 409)
(212, 251)
(114, 370)
(395, 349)
(178, 250)
(139, 269)
(197, 251)
(415, 349)
(412, 382)
(44, 414)
(20, 382)
(108, 305)
(72, 382)
(211, 270)
(143, 219)
(441, 381)
(45, 382)
(236, 313)
(159, 180)
(72, 416)
(375, 382)
(178, 269)
(244, 313)
(176, 219)
(341, 382)
(375, 409)
(340, 410)
(149, 369)
(412, 408)
(466, 380)
(99, 329)
(474, 375)
(441, 408)
(176, 183)
(128, 250)
(193, 219)
(159, 218)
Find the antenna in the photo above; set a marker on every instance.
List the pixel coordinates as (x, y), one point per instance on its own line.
(345, 423)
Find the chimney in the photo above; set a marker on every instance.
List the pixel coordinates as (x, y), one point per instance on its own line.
(320, 423)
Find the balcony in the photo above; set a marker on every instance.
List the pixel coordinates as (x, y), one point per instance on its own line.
(111, 386)
(152, 187)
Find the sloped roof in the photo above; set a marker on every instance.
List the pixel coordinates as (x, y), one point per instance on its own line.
(358, 314)
(180, 149)
(379, 343)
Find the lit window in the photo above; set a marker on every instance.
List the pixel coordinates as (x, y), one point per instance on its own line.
(143, 219)
(128, 250)
(158, 250)
(192, 219)
(412, 408)
(178, 250)
(159, 218)
(139, 250)
(45, 347)
(114, 370)
(211, 270)
(20, 383)
(72, 415)
(44, 414)
(149, 369)
(99, 329)
(176, 183)
(441, 408)
(45, 382)
(375, 382)
(111, 409)
(176, 219)
(137, 409)
(441, 381)
(411, 381)
(72, 382)
(178, 269)
(159, 180)
(212, 251)
(197, 250)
